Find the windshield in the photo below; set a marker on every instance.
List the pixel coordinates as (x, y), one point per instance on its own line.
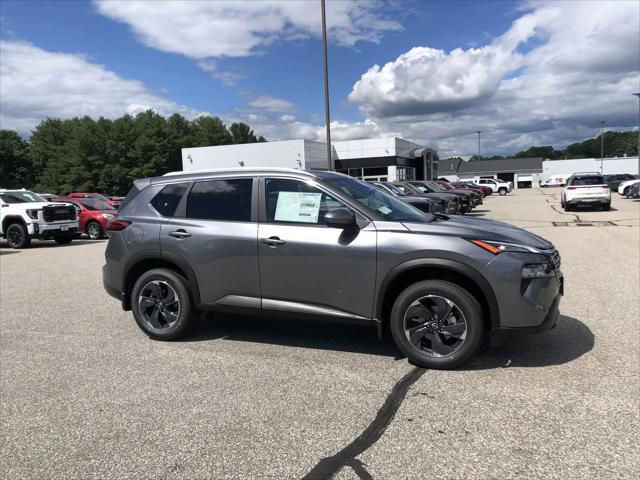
(395, 190)
(436, 186)
(380, 202)
(21, 197)
(95, 204)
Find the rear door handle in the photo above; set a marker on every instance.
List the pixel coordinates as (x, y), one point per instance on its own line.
(273, 241)
(180, 234)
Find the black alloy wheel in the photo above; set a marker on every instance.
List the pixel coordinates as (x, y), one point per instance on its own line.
(161, 304)
(17, 236)
(437, 324)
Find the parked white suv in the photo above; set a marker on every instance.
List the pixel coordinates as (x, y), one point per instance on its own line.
(586, 189)
(25, 215)
(497, 186)
(625, 187)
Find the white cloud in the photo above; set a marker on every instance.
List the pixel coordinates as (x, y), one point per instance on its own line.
(37, 84)
(549, 79)
(225, 28)
(226, 77)
(272, 104)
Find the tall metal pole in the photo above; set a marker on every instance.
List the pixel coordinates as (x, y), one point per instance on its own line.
(638, 95)
(327, 115)
(478, 132)
(602, 122)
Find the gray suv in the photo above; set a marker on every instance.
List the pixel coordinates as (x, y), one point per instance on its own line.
(322, 245)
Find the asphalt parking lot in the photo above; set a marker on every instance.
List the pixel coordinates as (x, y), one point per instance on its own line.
(85, 394)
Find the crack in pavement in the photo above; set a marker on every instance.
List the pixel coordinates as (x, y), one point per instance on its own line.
(328, 467)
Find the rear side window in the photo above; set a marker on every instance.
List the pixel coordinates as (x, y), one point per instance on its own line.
(167, 200)
(228, 200)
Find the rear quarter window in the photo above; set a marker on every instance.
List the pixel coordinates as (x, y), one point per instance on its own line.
(166, 201)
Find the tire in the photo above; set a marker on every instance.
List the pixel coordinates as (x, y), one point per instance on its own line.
(606, 206)
(18, 236)
(94, 230)
(502, 191)
(435, 348)
(562, 204)
(567, 207)
(625, 192)
(154, 308)
(63, 239)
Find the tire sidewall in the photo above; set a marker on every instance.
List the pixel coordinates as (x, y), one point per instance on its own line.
(462, 298)
(99, 235)
(502, 191)
(25, 236)
(180, 285)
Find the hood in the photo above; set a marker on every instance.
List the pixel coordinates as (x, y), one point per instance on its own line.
(481, 229)
(35, 205)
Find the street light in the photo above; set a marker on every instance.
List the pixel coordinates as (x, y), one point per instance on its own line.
(638, 95)
(478, 132)
(602, 122)
(326, 84)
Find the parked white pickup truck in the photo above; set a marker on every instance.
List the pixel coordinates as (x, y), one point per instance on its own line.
(498, 186)
(24, 215)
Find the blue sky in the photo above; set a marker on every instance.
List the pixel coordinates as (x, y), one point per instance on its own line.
(282, 67)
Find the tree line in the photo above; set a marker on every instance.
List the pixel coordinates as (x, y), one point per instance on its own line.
(616, 144)
(103, 155)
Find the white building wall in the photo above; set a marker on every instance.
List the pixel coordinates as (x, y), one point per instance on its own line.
(610, 165)
(287, 154)
(373, 147)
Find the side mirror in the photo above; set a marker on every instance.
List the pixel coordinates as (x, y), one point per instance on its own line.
(340, 218)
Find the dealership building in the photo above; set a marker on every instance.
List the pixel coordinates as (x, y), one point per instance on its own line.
(381, 159)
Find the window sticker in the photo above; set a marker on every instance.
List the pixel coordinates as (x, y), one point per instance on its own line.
(385, 210)
(298, 207)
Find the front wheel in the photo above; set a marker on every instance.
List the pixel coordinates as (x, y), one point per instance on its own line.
(437, 324)
(161, 304)
(606, 206)
(18, 236)
(94, 230)
(502, 191)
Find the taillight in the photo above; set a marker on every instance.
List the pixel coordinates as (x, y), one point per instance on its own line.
(117, 225)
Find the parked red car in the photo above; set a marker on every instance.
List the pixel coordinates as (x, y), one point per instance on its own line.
(115, 202)
(474, 191)
(93, 215)
(472, 186)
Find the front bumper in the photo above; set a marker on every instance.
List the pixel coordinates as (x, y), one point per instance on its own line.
(49, 229)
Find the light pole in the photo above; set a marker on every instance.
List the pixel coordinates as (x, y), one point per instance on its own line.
(602, 122)
(478, 132)
(326, 84)
(638, 95)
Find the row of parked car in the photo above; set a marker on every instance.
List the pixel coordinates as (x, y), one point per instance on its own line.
(26, 215)
(441, 196)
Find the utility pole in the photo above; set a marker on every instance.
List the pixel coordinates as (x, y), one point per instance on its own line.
(478, 132)
(602, 122)
(326, 85)
(638, 95)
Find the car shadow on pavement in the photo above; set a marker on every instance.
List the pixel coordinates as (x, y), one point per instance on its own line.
(305, 334)
(6, 251)
(52, 243)
(568, 341)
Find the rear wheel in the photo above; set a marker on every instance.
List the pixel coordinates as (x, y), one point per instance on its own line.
(161, 304)
(18, 236)
(94, 230)
(437, 324)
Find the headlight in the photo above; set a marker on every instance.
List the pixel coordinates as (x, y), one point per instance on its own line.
(33, 213)
(537, 270)
(107, 216)
(499, 247)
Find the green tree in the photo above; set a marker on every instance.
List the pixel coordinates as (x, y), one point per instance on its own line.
(242, 133)
(16, 170)
(210, 131)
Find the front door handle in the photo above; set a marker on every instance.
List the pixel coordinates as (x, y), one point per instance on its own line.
(180, 234)
(273, 241)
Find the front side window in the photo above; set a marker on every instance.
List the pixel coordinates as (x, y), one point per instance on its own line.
(293, 201)
(166, 201)
(380, 202)
(227, 200)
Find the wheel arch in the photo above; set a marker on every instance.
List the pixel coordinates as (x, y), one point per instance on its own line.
(405, 274)
(9, 219)
(148, 262)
